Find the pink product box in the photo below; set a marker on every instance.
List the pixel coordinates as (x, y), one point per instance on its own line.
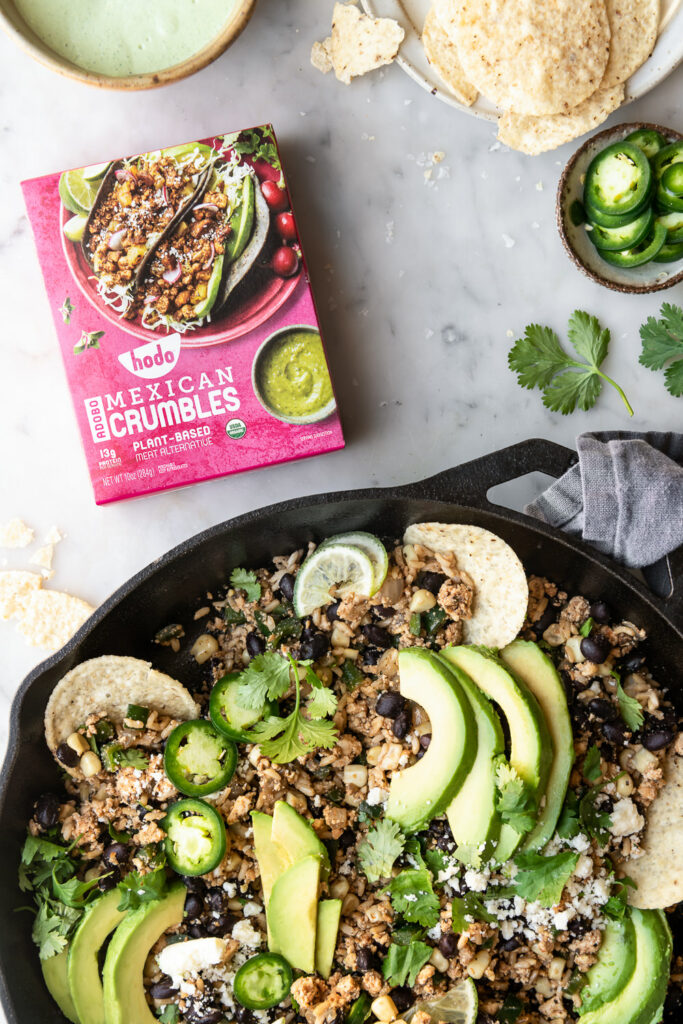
(184, 314)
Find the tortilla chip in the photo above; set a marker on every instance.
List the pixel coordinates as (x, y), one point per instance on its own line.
(534, 58)
(501, 592)
(358, 43)
(442, 54)
(535, 135)
(15, 534)
(658, 873)
(107, 685)
(50, 618)
(43, 557)
(634, 25)
(15, 589)
(321, 57)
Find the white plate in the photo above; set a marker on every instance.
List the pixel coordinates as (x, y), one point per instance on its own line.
(411, 14)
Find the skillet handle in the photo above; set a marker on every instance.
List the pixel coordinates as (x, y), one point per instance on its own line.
(469, 483)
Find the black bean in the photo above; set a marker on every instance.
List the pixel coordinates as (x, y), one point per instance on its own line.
(578, 926)
(377, 635)
(601, 708)
(107, 881)
(401, 726)
(286, 586)
(600, 611)
(606, 804)
(381, 611)
(215, 900)
(67, 755)
(390, 704)
(194, 905)
(308, 632)
(631, 663)
(510, 944)
(204, 1015)
(255, 644)
(420, 754)
(315, 648)
(614, 730)
(197, 931)
(332, 611)
(403, 997)
(657, 739)
(115, 853)
(371, 655)
(431, 581)
(366, 960)
(448, 944)
(596, 648)
(163, 989)
(242, 1015)
(347, 839)
(219, 925)
(425, 740)
(546, 619)
(46, 810)
(193, 884)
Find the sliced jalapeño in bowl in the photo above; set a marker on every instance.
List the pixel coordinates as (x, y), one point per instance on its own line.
(195, 837)
(263, 982)
(198, 759)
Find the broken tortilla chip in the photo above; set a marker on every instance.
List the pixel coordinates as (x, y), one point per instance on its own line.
(501, 592)
(50, 618)
(358, 43)
(533, 135)
(442, 54)
(106, 686)
(15, 588)
(15, 534)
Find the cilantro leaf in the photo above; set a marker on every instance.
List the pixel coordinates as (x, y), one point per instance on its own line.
(469, 905)
(284, 739)
(591, 764)
(368, 812)
(132, 758)
(617, 903)
(266, 677)
(244, 579)
(170, 1014)
(542, 879)
(52, 927)
(663, 343)
(322, 701)
(510, 1010)
(72, 892)
(436, 861)
(629, 708)
(515, 802)
(380, 848)
(594, 821)
(403, 963)
(413, 897)
(539, 361)
(587, 627)
(137, 889)
(568, 824)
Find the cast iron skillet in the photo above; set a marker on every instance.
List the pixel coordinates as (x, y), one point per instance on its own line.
(172, 588)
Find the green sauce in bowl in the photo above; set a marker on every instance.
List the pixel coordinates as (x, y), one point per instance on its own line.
(290, 376)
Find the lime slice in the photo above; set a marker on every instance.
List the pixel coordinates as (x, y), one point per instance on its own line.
(95, 172)
(76, 193)
(74, 229)
(372, 546)
(459, 1006)
(341, 565)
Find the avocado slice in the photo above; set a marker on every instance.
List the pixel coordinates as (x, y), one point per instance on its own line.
(531, 746)
(241, 222)
(613, 968)
(213, 285)
(472, 815)
(329, 912)
(417, 794)
(531, 666)
(243, 264)
(98, 922)
(294, 838)
(641, 999)
(293, 915)
(269, 860)
(54, 974)
(124, 992)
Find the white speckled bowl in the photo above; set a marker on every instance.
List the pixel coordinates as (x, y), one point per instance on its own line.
(651, 277)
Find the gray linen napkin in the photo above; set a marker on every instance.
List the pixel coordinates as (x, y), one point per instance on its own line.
(624, 496)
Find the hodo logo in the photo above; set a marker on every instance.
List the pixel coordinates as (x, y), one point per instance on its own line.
(155, 359)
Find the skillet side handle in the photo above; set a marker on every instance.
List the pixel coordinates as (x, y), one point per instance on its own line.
(669, 583)
(469, 484)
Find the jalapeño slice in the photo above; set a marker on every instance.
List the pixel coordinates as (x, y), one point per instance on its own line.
(667, 157)
(263, 982)
(618, 179)
(669, 252)
(647, 139)
(195, 837)
(626, 237)
(229, 717)
(645, 251)
(197, 759)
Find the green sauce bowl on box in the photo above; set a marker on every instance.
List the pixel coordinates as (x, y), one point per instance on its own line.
(290, 376)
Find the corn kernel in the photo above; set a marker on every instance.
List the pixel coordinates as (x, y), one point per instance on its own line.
(384, 1008)
(77, 743)
(90, 764)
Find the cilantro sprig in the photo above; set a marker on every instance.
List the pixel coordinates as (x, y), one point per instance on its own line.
(382, 846)
(629, 708)
(471, 905)
(404, 962)
(539, 361)
(136, 889)
(244, 579)
(663, 343)
(413, 897)
(48, 872)
(542, 879)
(515, 801)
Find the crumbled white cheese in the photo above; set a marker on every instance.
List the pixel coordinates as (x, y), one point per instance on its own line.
(626, 818)
(230, 889)
(245, 933)
(191, 957)
(435, 933)
(251, 908)
(477, 880)
(377, 796)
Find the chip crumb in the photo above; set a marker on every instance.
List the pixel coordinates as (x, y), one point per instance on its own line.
(16, 587)
(16, 534)
(358, 43)
(53, 535)
(43, 557)
(50, 618)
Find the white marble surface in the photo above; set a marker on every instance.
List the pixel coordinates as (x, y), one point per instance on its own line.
(416, 285)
